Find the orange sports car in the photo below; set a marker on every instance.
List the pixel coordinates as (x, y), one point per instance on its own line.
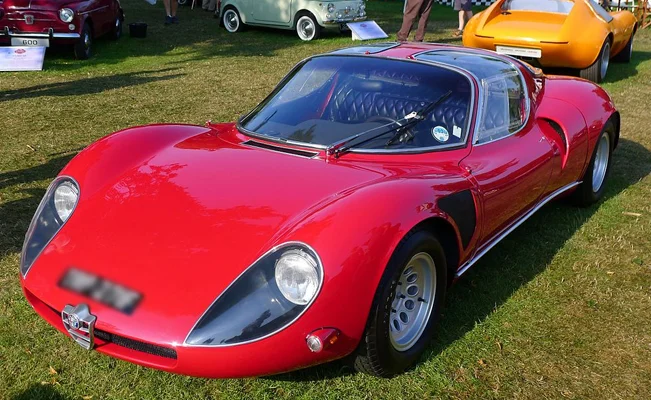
(577, 34)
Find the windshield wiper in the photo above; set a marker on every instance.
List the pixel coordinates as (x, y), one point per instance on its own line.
(339, 148)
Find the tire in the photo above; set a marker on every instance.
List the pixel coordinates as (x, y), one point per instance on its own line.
(390, 345)
(84, 46)
(307, 28)
(594, 179)
(231, 20)
(116, 33)
(598, 70)
(626, 54)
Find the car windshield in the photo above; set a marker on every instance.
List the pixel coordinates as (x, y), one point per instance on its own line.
(332, 98)
(554, 6)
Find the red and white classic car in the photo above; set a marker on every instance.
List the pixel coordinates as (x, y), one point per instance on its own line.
(66, 22)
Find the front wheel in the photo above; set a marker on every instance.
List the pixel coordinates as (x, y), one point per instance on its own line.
(591, 189)
(307, 28)
(405, 308)
(598, 70)
(84, 45)
(116, 33)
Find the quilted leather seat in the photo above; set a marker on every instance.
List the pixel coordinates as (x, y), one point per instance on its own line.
(362, 100)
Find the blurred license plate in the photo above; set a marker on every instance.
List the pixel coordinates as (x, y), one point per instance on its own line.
(30, 42)
(519, 51)
(101, 290)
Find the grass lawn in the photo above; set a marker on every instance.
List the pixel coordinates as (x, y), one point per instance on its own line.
(560, 309)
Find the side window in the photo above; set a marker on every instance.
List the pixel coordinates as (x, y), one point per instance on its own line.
(504, 109)
(605, 15)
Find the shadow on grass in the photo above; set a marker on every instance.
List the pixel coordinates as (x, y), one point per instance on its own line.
(40, 392)
(513, 263)
(16, 215)
(88, 85)
(198, 37)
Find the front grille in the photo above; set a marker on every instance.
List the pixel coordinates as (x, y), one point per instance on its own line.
(132, 344)
(136, 345)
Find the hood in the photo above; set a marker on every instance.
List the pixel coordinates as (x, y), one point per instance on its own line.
(524, 26)
(42, 5)
(180, 224)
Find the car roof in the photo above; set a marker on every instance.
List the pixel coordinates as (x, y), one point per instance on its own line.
(479, 62)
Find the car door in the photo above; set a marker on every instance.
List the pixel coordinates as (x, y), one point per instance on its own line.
(511, 159)
(277, 12)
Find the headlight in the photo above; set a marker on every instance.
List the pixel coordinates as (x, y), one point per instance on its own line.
(331, 8)
(66, 14)
(362, 6)
(54, 210)
(270, 295)
(297, 276)
(65, 199)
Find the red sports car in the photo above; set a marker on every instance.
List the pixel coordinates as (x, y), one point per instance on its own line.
(66, 22)
(327, 222)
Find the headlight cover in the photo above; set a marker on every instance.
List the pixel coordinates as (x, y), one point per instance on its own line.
(66, 14)
(55, 209)
(254, 306)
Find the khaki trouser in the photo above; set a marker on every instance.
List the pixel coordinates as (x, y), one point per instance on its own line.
(415, 9)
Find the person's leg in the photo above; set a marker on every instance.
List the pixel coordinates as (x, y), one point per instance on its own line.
(425, 10)
(168, 12)
(462, 16)
(174, 6)
(468, 16)
(411, 12)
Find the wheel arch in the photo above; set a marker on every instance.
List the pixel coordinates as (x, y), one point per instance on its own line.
(447, 234)
(301, 12)
(230, 4)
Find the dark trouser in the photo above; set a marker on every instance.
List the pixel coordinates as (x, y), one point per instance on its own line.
(415, 9)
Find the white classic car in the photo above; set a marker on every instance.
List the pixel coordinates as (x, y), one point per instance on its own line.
(307, 17)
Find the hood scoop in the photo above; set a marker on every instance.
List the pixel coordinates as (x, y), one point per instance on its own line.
(267, 146)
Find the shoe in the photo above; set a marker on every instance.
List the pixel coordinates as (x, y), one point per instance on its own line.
(168, 20)
(175, 19)
(458, 33)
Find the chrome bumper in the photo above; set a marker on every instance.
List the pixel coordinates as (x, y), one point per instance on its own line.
(343, 20)
(50, 35)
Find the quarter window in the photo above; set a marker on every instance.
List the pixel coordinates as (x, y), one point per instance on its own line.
(505, 107)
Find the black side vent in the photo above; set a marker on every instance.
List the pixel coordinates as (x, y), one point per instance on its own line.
(558, 130)
(300, 153)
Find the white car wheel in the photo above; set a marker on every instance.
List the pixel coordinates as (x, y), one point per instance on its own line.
(307, 28)
(231, 20)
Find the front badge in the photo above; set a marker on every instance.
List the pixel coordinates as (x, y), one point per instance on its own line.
(80, 324)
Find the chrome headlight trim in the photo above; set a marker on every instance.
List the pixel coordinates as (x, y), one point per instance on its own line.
(66, 15)
(46, 202)
(275, 249)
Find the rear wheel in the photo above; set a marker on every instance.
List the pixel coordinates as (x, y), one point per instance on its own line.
(231, 20)
(591, 189)
(627, 52)
(598, 70)
(84, 45)
(307, 28)
(405, 308)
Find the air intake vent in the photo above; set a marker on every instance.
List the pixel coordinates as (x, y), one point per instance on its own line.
(300, 153)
